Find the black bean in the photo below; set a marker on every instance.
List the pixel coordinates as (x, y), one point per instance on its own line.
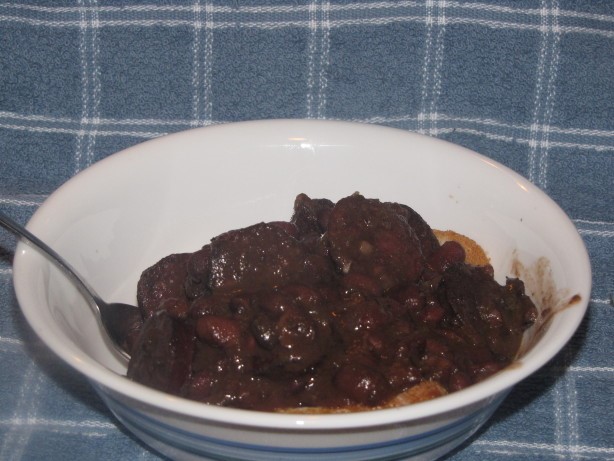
(362, 384)
(448, 253)
(264, 331)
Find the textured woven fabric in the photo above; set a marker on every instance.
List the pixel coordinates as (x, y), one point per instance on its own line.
(528, 83)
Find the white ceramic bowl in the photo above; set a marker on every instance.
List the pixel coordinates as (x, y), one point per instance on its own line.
(174, 193)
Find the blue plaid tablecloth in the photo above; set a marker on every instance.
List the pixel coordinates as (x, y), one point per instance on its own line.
(529, 83)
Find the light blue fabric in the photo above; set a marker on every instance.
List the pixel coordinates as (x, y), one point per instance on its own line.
(528, 83)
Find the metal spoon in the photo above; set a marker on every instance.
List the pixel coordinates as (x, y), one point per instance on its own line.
(119, 321)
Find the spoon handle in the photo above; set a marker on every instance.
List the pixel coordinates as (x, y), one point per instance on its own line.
(21, 231)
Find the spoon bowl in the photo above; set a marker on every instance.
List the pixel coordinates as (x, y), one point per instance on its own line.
(121, 322)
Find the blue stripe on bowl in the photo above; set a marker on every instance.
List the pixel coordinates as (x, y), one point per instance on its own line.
(213, 448)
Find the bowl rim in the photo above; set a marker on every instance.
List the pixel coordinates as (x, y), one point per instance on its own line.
(487, 389)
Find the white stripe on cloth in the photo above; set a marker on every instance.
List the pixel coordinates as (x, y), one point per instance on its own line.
(10, 341)
(385, 19)
(537, 150)
(16, 439)
(82, 133)
(431, 68)
(437, 66)
(550, 93)
(91, 87)
(311, 57)
(83, 427)
(172, 125)
(324, 58)
(426, 65)
(494, 123)
(536, 448)
(22, 201)
(272, 9)
(591, 228)
(318, 49)
(592, 369)
(202, 50)
(598, 233)
(196, 75)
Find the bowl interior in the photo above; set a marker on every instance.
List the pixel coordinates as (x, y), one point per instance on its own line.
(173, 194)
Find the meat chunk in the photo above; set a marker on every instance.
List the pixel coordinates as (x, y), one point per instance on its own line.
(428, 241)
(164, 284)
(162, 355)
(199, 271)
(263, 256)
(311, 215)
(489, 315)
(370, 238)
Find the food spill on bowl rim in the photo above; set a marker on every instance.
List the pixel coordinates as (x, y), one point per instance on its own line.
(548, 298)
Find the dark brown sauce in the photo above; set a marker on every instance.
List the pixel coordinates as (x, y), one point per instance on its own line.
(548, 298)
(347, 304)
